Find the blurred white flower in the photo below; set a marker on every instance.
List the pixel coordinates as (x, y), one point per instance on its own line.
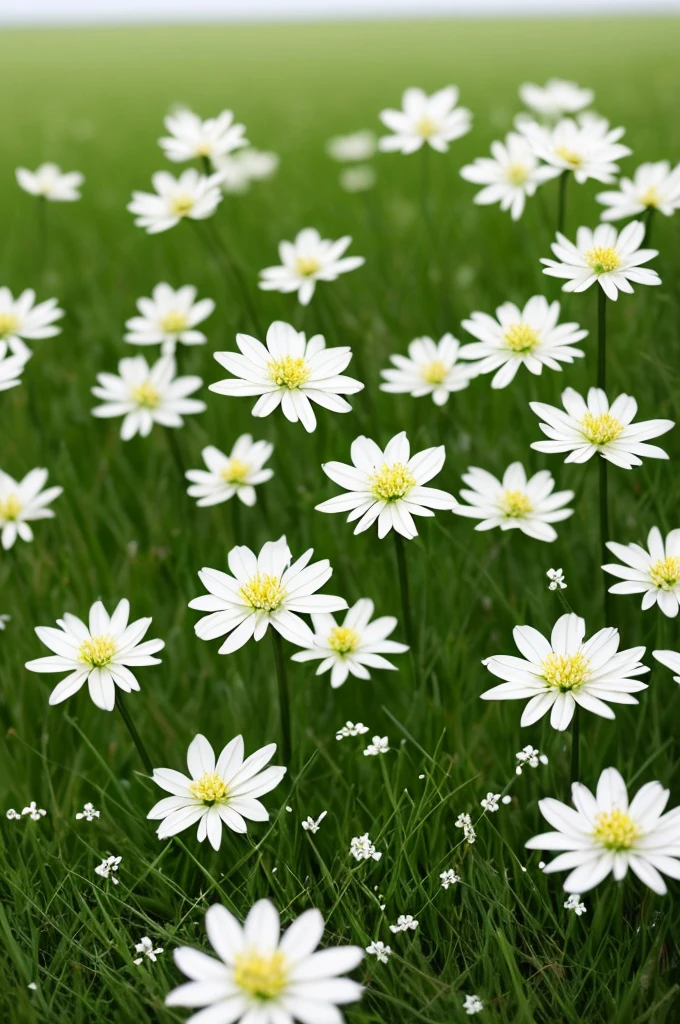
(50, 182)
(425, 120)
(12, 815)
(472, 1005)
(239, 170)
(671, 660)
(33, 812)
(312, 825)
(448, 878)
(4, 619)
(306, 260)
(169, 318)
(652, 187)
(556, 98)
(24, 501)
(573, 902)
(22, 320)
(88, 813)
(491, 802)
(108, 868)
(380, 951)
(356, 147)
(380, 745)
(192, 195)
(233, 475)
(529, 756)
(432, 368)
(586, 147)
(192, 138)
(357, 179)
(405, 923)
(350, 729)
(510, 175)
(361, 848)
(11, 368)
(146, 948)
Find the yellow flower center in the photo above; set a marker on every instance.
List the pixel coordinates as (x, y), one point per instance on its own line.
(516, 504)
(307, 265)
(434, 372)
(616, 830)
(146, 395)
(204, 148)
(426, 127)
(517, 174)
(565, 671)
(602, 429)
(174, 322)
(10, 508)
(651, 197)
(569, 156)
(602, 259)
(210, 788)
(98, 651)
(261, 975)
(8, 324)
(182, 204)
(665, 573)
(344, 640)
(264, 592)
(288, 372)
(235, 471)
(390, 483)
(521, 338)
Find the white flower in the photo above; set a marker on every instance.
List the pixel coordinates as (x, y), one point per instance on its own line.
(448, 878)
(263, 590)
(291, 372)
(603, 256)
(593, 427)
(34, 812)
(24, 501)
(555, 98)
(472, 1005)
(653, 187)
(380, 745)
(310, 258)
(671, 660)
(21, 319)
(566, 671)
(529, 505)
(605, 834)
(355, 646)
(491, 802)
(587, 147)
(387, 486)
(380, 951)
(352, 148)
(50, 182)
(360, 178)
(464, 821)
(145, 947)
(169, 318)
(405, 923)
(510, 175)
(312, 825)
(350, 729)
(216, 794)
(433, 120)
(145, 395)
(11, 368)
(191, 137)
(262, 978)
(233, 475)
(108, 868)
(556, 577)
(654, 573)
(194, 196)
(361, 848)
(432, 368)
(529, 337)
(4, 619)
(240, 169)
(33, 986)
(12, 815)
(573, 902)
(99, 653)
(88, 813)
(529, 756)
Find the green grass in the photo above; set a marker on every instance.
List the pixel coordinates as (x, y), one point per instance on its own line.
(94, 100)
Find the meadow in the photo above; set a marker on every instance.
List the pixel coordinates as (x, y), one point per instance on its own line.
(94, 100)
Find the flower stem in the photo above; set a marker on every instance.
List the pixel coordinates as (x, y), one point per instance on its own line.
(649, 220)
(562, 201)
(601, 339)
(575, 745)
(175, 450)
(403, 587)
(136, 739)
(235, 519)
(284, 702)
(601, 383)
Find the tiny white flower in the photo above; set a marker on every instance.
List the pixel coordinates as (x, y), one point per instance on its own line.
(653, 187)
(556, 577)
(146, 948)
(671, 660)
(380, 951)
(653, 572)
(586, 147)
(510, 175)
(361, 178)
(604, 256)
(88, 813)
(239, 170)
(431, 368)
(234, 475)
(361, 848)
(24, 501)
(574, 903)
(490, 803)
(531, 757)
(12, 815)
(49, 182)
(194, 196)
(380, 745)
(32, 985)
(108, 868)
(4, 619)
(352, 148)
(192, 138)
(405, 923)
(556, 98)
(425, 120)
(448, 878)
(350, 729)
(472, 1005)
(306, 260)
(11, 367)
(22, 319)
(169, 318)
(312, 825)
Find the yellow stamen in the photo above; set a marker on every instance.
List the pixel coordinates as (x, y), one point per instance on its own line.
(602, 429)
(182, 204)
(261, 975)
(517, 174)
(665, 573)
(210, 788)
(146, 395)
(426, 127)
(98, 651)
(389, 483)
(434, 372)
(174, 322)
(344, 640)
(565, 671)
(264, 592)
(8, 324)
(204, 149)
(10, 508)
(569, 156)
(288, 372)
(521, 338)
(515, 504)
(307, 265)
(602, 259)
(651, 197)
(235, 471)
(616, 830)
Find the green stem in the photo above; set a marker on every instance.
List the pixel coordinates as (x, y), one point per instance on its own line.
(136, 739)
(403, 587)
(284, 701)
(604, 534)
(575, 745)
(601, 339)
(173, 444)
(42, 235)
(562, 201)
(235, 519)
(649, 220)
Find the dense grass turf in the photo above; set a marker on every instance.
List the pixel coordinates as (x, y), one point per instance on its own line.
(94, 100)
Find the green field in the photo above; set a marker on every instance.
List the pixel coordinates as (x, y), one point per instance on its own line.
(94, 100)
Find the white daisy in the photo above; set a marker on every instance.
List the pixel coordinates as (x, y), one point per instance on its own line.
(236, 474)
(654, 573)
(192, 138)
(516, 502)
(387, 486)
(432, 368)
(291, 372)
(652, 187)
(308, 259)
(605, 834)
(528, 337)
(169, 318)
(11, 368)
(21, 319)
(239, 170)
(566, 671)
(604, 256)
(22, 502)
(671, 660)
(433, 120)
(263, 590)
(510, 175)
(194, 196)
(215, 794)
(145, 395)
(352, 148)
(355, 646)
(556, 98)
(262, 977)
(587, 147)
(50, 182)
(593, 427)
(99, 653)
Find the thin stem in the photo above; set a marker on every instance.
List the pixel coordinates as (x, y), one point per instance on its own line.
(175, 449)
(562, 201)
(604, 534)
(403, 587)
(601, 339)
(136, 739)
(575, 745)
(649, 220)
(284, 702)
(235, 519)
(235, 271)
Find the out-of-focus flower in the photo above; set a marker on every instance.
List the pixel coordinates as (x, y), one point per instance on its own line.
(49, 182)
(24, 501)
(239, 170)
(361, 178)
(22, 320)
(510, 175)
(169, 318)
(652, 187)
(192, 138)
(192, 196)
(146, 948)
(434, 120)
(352, 148)
(362, 848)
(556, 98)
(587, 147)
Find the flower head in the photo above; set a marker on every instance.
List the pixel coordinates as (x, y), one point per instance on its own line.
(653, 572)
(362, 848)
(352, 148)
(22, 320)
(425, 120)
(308, 259)
(603, 256)
(33, 812)
(11, 368)
(515, 502)
(586, 147)
(49, 182)
(556, 98)
(24, 501)
(529, 757)
(108, 868)
(239, 170)
(146, 948)
(313, 824)
(351, 729)
(652, 187)
(432, 368)
(491, 802)
(233, 475)
(380, 951)
(88, 813)
(472, 1005)
(169, 318)
(192, 196)
(192, 138)
(510, 175)
(556, 577)
(358, 178)
(574, 903)
(379, 745)
(405, 923)
(448, 878)
(671, 659)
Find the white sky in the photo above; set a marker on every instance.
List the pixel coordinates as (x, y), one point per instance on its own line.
(82, 11)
